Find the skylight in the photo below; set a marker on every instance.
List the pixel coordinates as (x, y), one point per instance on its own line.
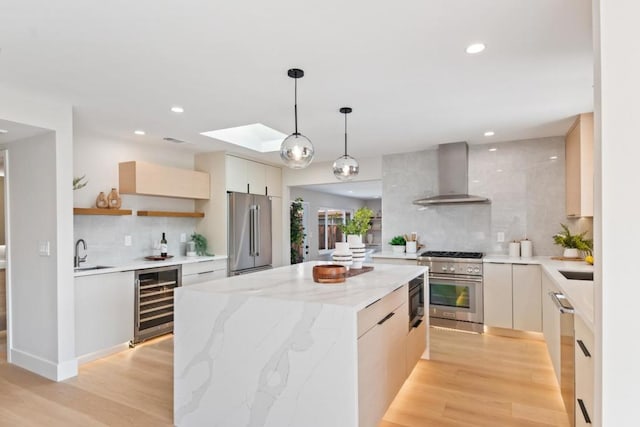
(257, 137)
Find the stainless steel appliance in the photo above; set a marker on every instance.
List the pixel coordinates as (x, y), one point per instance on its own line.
(416, 301)
(455, 289)
(154, 301)
(567, 354)
(249, 237)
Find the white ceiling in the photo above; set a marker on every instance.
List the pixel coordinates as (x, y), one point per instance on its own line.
(402, 66)
(17, 131)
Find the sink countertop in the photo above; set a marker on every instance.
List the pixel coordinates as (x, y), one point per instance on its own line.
(139, 264)
(578, 292)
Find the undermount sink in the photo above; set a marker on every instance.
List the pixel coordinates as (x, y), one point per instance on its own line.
(94, 267)
(577, 275)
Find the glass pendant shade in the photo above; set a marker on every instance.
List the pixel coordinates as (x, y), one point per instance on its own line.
(296, 150)
(345, 168)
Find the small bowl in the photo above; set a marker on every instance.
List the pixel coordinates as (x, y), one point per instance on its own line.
(329, 273)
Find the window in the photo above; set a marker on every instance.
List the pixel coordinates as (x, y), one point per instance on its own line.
(328, 231)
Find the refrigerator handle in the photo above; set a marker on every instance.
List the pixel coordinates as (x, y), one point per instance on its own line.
(257, 228)
(251, 231)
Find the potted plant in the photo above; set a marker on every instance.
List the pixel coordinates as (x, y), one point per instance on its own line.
(397, 244)
(357, 226)
(573, 243)
(200, 244)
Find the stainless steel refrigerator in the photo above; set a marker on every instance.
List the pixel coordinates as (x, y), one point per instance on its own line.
(249, 244)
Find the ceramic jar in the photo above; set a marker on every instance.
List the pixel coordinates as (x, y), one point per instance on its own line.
(342, 255)
(101, 201)
(115, 202)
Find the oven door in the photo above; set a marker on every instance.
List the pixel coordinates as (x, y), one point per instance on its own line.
(456, 298)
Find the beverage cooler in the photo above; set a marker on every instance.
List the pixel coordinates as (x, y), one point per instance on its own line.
(154, 301)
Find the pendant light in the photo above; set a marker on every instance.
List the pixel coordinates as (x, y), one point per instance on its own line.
(296, 150)
(345, 167)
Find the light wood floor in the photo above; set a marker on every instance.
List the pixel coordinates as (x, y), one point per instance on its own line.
(471, 380)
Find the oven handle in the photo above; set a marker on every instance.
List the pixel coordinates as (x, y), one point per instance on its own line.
(455, 279)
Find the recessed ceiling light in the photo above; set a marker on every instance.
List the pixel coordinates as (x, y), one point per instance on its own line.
(553, 158)
(4, 131)
(493, 149)
(489, 133)
(476, 181)
(138, 132)
(350, 191)
(498, 170)
(475, 48)
(177, 109)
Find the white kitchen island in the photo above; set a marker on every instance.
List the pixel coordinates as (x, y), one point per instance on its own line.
(274, 348)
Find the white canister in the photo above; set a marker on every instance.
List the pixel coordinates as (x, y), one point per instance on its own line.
(526, 248)
(514, 250)
(412, 247)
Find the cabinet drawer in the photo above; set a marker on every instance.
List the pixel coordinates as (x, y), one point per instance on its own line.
(194, 279)
(372, 314)
(203, 267)
(584, 373)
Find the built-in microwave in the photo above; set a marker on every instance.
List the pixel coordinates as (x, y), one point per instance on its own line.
(416, 301)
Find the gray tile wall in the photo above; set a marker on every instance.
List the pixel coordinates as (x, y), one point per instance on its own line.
(525, 186)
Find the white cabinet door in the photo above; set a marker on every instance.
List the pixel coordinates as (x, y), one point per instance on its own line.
(104, 311)
(274, 181)
(584, 373)
(551, 322)
(236, 174)
(498, 296)
(416, 345)
(256, 177)
(371, 378)
(395, 332)
(527, 297)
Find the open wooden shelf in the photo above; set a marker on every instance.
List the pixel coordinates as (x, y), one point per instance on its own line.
(96, 211)
(172, 214)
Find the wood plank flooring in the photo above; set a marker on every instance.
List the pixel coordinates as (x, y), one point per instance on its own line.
(471, 380)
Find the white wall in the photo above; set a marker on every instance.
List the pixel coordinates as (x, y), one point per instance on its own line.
(617, 148)
(48, 347)
(97, 157)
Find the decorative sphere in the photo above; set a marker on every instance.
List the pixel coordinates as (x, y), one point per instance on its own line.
(345, 168)
(296, 151)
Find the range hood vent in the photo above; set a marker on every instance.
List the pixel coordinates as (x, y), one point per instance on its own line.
(453, 177)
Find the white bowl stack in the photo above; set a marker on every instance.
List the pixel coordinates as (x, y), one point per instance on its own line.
(358, 251)
(342, 255)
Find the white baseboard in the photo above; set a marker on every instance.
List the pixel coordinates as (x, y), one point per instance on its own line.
(102, 353)
(43, 367)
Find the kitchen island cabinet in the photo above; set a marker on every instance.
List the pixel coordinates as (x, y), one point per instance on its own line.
(275, 348)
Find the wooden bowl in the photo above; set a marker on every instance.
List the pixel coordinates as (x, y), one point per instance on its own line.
(329, 273)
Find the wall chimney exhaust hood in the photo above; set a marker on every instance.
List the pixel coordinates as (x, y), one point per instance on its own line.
(453, 179)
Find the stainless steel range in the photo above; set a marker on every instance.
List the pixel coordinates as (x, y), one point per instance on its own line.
(455, 289)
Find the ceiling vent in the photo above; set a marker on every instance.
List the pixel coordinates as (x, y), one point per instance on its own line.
(174, 140)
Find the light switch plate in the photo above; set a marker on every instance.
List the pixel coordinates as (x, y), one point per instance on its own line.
(500, 236)
(44, 248)
(127, 240)
(183, 237)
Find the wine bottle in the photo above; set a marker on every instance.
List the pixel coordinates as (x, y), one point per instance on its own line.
(163, 246)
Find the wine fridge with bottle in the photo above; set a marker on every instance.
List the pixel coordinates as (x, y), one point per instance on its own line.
(154, 293)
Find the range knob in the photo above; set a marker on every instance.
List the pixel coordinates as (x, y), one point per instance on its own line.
(444, 268)
(476, 270)
(452, 269)
(469, 270)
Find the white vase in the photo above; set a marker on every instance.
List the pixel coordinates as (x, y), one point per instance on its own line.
(354, 240)
(571, 253)
(397, 249)
(412, 247)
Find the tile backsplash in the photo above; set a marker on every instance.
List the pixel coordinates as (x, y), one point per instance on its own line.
(523, 179)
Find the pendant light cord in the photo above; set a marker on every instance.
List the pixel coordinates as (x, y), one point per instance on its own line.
(295, 102)
(345, 134)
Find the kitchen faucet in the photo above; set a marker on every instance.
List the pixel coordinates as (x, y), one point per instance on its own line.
(76, 259)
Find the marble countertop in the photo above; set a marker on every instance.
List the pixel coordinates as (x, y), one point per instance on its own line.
(295, 283)
(389, 254)
(139, 264)
(578, 292)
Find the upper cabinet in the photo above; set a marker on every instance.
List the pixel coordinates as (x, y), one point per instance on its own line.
(155, 180)
(247, 176)
(579, 167)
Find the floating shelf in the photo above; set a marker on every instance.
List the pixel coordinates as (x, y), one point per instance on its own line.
(172, 214)
(96, 211)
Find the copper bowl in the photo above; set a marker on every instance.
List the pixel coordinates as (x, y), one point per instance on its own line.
(329, 273)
